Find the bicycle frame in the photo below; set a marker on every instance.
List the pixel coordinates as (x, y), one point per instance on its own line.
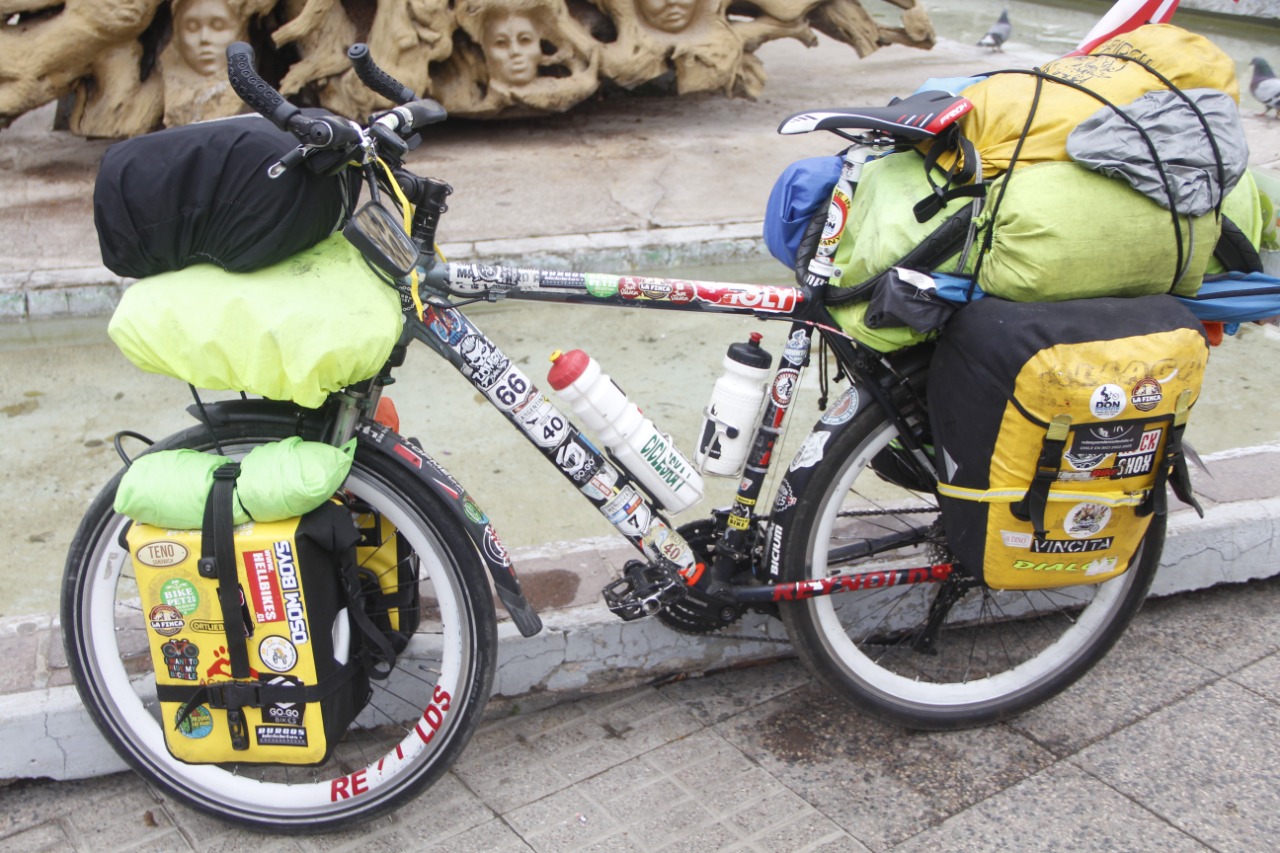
(605, 484)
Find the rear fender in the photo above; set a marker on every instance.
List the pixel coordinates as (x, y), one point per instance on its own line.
(310, 423)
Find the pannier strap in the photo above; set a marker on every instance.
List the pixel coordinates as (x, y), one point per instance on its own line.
(1174, 469)
(1033, 505)
(218, 560)
(231, 696)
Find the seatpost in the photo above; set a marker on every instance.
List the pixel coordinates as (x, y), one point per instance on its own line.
(865, 148)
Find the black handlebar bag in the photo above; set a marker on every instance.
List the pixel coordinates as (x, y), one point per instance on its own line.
(201, 194)
(1057, 427)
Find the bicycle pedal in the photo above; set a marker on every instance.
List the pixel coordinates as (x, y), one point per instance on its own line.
(643, 590)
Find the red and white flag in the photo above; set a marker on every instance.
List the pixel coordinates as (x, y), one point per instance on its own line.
(1124, 16)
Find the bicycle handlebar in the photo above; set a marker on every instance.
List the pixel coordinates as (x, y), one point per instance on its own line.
(253, 90)
(377, 79)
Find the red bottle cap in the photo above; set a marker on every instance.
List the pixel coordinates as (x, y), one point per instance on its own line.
(567, 367)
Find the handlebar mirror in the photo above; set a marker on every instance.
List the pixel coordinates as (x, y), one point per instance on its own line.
(381, 239)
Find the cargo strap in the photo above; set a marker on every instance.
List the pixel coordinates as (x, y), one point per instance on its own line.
(1173, 471)
(958, 177)
(1033, 505)
(232, 696)
(218, 562)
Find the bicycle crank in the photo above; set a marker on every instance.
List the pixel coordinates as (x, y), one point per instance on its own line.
(643, 589)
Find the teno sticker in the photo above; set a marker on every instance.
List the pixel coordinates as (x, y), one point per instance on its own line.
(161, 555)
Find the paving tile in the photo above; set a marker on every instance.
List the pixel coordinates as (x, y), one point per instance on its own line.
(1223, 629)
(134, 814)
(493, 836)
(566, 820)
(810, 832)
(1061, 808)
(1262, 677)
(511, 778)
(243, 841)
(851, 767)
(1209, 765)
(716, 698)
(1134, 679)
(446, 810)
(48, 836)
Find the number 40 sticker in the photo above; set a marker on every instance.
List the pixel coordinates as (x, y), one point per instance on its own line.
(541, 422)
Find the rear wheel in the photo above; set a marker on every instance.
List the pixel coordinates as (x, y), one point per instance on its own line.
(414, 727)
(985, 655)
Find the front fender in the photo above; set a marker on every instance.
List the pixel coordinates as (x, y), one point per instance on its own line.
(309, 423)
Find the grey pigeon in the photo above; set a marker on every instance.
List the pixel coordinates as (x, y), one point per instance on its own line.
(998, 34)
(1265, 86)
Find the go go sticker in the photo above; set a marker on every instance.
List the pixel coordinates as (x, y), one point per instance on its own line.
(1107, 401)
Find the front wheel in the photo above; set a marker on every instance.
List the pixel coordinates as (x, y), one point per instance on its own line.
(411, 731)
(987, 655)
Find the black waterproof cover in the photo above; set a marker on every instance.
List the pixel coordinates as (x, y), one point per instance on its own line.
(201, 194)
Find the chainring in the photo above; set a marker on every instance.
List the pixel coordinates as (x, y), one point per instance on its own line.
(697, 612)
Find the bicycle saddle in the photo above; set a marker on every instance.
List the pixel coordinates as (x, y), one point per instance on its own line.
(921, 116)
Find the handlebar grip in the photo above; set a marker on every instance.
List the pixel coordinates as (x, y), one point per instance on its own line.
(255, 91)
(377, 79)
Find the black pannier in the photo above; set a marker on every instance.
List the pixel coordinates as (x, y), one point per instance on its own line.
(201, 194)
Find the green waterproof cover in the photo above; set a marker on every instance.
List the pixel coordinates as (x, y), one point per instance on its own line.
(297, 330)
(1064, 232)
(279, 480)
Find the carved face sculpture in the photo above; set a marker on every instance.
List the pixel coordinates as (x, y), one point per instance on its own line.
(121, 16)
(512, 46)
(203, 29)
(670, 16)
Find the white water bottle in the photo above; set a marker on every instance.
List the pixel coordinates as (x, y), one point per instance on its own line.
(730, 418)
(647, 453)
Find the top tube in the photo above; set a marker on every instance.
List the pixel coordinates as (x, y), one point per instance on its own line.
(471, 280)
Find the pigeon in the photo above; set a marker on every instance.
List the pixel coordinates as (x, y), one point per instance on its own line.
(998, 34)
(1265, 86)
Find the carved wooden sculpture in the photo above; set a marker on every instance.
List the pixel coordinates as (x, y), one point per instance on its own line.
(129, 66)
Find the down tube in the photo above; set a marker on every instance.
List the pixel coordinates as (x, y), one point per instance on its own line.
(609, 488)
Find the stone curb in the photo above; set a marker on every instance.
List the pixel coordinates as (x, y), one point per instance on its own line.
(94, 291)
(585, 649)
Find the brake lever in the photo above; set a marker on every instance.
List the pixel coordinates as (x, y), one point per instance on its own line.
(287, 162)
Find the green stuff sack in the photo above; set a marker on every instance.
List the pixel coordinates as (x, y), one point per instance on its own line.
(1056, 427)
(291, 477)
(297, 330)
(1064, 232)
(279, 480)
(169, 488)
